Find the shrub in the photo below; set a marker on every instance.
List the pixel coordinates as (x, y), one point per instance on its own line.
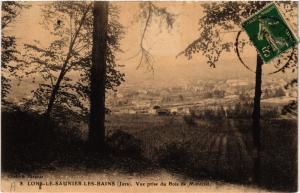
(31, 142)
(124, 144)
(26, 138)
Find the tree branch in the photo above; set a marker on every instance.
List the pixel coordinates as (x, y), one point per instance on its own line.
(145, 54)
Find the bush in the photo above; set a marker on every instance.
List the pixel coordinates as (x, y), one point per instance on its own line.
(124, 144)
(31, 142)
(25, 139)
(208, 113)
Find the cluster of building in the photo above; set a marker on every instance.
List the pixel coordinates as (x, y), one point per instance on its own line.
(180, 99)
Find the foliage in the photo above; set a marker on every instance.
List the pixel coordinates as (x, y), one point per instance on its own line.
(124, 144)
(291, 107)
(69, 54)
(225, 17)
(10, 10)
(21, 128)
(149, 12)
(240, 110)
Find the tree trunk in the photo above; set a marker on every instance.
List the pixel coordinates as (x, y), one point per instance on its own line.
(256, 129)
(98, 76)
(54, 92)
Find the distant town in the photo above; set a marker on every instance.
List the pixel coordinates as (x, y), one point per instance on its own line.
(199, 94)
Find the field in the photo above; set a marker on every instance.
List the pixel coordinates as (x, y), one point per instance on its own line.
(198, 149)
(215, 149)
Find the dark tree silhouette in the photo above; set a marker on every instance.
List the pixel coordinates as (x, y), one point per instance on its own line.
(256, 127)
(98, 78)
(64, 68)
(225, 17)
(10, 10)
(98, 75)
(61, 94)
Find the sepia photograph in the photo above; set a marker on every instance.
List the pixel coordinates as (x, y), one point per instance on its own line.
(149, 96)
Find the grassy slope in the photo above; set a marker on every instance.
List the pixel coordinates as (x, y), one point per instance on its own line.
(216, 148)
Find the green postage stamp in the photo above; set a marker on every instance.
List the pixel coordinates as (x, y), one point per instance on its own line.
(269, 32)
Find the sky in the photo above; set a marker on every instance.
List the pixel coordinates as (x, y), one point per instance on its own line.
(163, 44)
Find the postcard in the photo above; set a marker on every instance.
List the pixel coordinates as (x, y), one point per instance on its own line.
(149, 96)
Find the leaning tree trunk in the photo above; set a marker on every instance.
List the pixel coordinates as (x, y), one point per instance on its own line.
(98, 76)
(54, 93)
(256, 129)
(64, 67)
